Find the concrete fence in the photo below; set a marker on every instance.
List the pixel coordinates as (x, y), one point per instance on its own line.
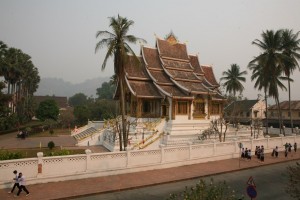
(60, 168)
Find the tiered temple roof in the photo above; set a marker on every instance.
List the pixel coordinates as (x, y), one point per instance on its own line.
(168, 70)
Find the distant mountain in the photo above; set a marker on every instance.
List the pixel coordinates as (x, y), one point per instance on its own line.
(59, 87)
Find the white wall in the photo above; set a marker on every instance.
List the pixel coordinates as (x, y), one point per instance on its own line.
(87, 165)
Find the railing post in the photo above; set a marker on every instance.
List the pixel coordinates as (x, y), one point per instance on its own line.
(215, 148)
(162, 153)
(88, 159)
(40, 163)
(190, 150)
(128, 157)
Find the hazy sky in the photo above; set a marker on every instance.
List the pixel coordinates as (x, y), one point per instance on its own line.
(59, 35)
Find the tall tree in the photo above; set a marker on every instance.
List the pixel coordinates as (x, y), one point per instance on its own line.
(290, 47)
(272, 60)
(259, 74)
(233, 78)
(118, 47)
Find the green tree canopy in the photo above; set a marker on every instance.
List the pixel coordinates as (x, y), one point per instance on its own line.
(78, 99)
(106, 91)
(47, 109)
(82, 114)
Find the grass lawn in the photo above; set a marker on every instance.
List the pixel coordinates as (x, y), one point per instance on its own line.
(56, 132)
(32, 152)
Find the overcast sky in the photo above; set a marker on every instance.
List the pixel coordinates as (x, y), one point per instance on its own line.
(59, 35)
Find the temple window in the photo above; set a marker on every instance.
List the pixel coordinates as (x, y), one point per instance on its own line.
(182, 108)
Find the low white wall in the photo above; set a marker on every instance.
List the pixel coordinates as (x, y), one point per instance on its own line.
(60, 168)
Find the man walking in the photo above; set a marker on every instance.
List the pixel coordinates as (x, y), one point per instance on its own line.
(16, 184)
(22, 183)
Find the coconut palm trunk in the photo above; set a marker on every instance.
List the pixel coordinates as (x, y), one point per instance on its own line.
(290, 110)
(267, 120)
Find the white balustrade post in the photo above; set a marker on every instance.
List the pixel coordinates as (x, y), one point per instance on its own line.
(88, 159)
(128, 157)
(162, 153)
(215, 148)
(40, 164)
(190, 150)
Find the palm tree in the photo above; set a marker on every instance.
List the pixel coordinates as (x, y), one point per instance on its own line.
(290, 47)
(233, 78)
(118, 47)
(258, 73)
(272, 60)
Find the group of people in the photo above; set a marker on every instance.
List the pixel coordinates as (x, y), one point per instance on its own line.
(19, 182)
(260, 153)
(246, 154)
(288, 148)
(22, 134)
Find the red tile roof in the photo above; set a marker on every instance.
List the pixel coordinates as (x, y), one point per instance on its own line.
(295, 105)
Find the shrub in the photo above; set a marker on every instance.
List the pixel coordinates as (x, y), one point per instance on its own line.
(51, 145)
(51, 131)
(62, 152)
(5, 155)
(206, 191)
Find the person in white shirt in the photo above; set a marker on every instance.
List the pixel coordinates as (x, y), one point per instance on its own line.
(22, 183)
(16, 181)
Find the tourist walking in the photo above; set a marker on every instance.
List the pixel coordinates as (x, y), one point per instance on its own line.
(290, 147)
(16, 181)
(276, 151)
(295, 147)
(249, 154)
(286, 152)
(22, 184)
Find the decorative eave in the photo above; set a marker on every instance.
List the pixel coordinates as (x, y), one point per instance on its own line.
(149, 97)
(162, 91)
(128, 84)
(180, 86)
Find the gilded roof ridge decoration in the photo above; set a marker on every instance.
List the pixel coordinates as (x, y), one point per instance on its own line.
(149, 97)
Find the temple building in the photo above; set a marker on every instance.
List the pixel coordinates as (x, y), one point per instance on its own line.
(170, 83)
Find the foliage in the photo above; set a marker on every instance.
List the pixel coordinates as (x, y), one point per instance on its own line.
(62, 152)
(206, 191)
(270, 64)
(293, 187)
(51, 145)
(47, 109)
(6, 155)
(22, 80)
(66, 118)
(82, 114)
(103, 109)
(233, 78)
(78, 99)
(106, 91)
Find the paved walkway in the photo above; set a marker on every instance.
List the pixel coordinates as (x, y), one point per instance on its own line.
(85, 187)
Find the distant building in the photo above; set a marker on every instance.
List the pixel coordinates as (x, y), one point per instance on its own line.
(245, 111)
(284, 106)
